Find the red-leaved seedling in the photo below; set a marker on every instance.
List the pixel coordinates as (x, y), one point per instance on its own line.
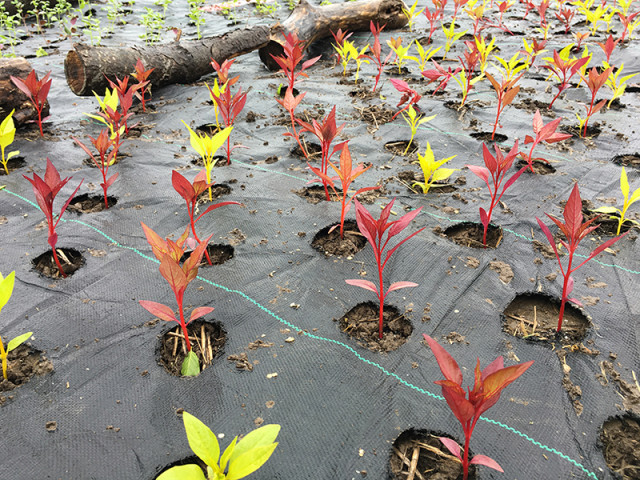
(191, 192)
(293, 52)
(36, 90)
(107, 158)
(487, 388)
(440, 74)
(564, 70)
(544, 133)
(374, 231)
(339, 38)
(125, 98)
(230, 107)
(409, 96)
(376, 50)
(565, 15)
(506, 91)
(493, 174)
(346, 175)
(46, 191)
(169, 254)
(574, 231)
(144, 85)
(290, 103)
(595, 81)
(326, 133)
(223, 72)
(609, 46)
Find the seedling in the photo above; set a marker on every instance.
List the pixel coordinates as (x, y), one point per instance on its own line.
(484, 50)
(350, 52)
(565, 15)
(432, 18)
(620, 214)
(563, 68)
(207, 147)
(506, 92)
(6, 289)
(346, 175)
(374, 231)
(487, 388)
(144, 85)
(342, 54)
(125, 97)
(169, 254)
(37, 91)
(432, 170)
(544, 133)
(533, 50)
(7, 134)
(190, 193)
(290, 103)
(223, 72)
(630, 23)
(376, 50)
(409, 96)
(574, 231)
(46, 191)
(510, 68)
(411, 14)
(493, 174)
(451, 36)
(414, 120)
(402, 53)
(240, 458)
(594, 82)
(340, 37)
(465, 78)
(425, 54)
(293, 53)
(617, 85)
(230, 107)
(440, 74)
(107, 158)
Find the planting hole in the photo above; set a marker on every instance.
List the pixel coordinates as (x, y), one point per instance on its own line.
(409, 177)
(432, 455)
(86, 203)
(217, 191)
(218, 161)
(23, 363)
(13, 163)
(399, 147)
(362, 323)
(313, 149)
(539, 168)
(207, 342)
(534, 316)
(193, 460)
(70, 259)
(218, 253)
(627, 160)
(469, 234)
(486, 137)
(620, 437)
(206, 129)
(331, 243)
(316, 194)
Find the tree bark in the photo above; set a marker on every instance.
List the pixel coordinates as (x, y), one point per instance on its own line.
(187, 61)
(28, 5)
(312, 23)
(11, 98)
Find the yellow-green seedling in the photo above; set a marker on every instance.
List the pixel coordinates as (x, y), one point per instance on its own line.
(616, 83)
(359, 56)
(452, 37)
(628, 201)
(414, 121)
(7, 134)
(240, 458)
(6, 289)
(484, 49)
(425, 55)
(510, 68)
(432, 170)
(207, 147)
(412, 14)
(402, 53)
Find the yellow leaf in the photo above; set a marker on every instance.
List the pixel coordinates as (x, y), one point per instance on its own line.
(6, 288)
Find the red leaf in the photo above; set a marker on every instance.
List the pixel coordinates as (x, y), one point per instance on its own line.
(159, 310)
(573, 213)
(366, 284)
(182, 186)
(171, 271)
(448, 366)
(398, 285)
(199, 312)
(214, 206)
(452, 446)
(481, 172)
(486, 461)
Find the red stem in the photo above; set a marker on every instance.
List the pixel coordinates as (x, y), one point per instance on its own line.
(228, 149)
(564, 291)
(183, 325)
(195, 236)
(39, 109)
(380, 288)
(55, 257)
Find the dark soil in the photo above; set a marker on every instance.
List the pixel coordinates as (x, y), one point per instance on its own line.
(121, 156)
(331, 244)
(362, 323)
(620, 439)
(607, 225)
(185, 461)
(376, 115)
(399, 147)
(531, 105)
(218, 161)
(534, 316)
(23, 363)
(217, 191)
(593, 130)
(14, 163)
(469, 234)
(408, 178)
(313, 149)
(70, 259)
(363, 92)
(434, 461)
(316, 194)
(539, 167)
(207, 129)
(86, 203)
(486, 137)
(627, 160)
(218, 253)
(171, 352)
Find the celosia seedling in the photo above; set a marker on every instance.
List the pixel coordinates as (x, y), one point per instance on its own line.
(339, 38)
(411, 14)
(563, 69)
(374, 231)
(506, 92)
(414, 121)
(6, 289)
(230, 107)
(37, 91)
(424, 54)
(191, 192)
(628, 201)
(544, 133)
(107, 158)
(439, 73)
(565, 15)
(595, 82)
(223, 72)
(240, 458)
(432, 170)
(493, 174)
(46, 191)
(293, 52)
(7, 134)
(402, 53)
(376, 51)
(465, 78)
(451, 36)
(574, 231)
(169, 254)
(290, 103)
(616, 83)
(533, 50)
(409, 96)
(125, 97)
(144, 85)
(487, 387)
(346, 175)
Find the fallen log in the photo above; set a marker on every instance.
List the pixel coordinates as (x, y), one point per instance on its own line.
(186, 61)
(11, 98)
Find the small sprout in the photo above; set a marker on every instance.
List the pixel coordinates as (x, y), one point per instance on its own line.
(628, 201)
(7, 134)
(432, 170)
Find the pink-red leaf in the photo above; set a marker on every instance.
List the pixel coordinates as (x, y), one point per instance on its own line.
(199, 312)
(398, 285)
(452, 446)
(486, 461)
(448, 366)
(366, 284)
(159, 310)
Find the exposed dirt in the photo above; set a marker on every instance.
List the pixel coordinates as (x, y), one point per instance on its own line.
(207, 342)
(593, 130)
(13, 163)
(627, 160)
(607, 225)
(23, 363)
(620, 439)
(423, 452)
(217, 191)
(399, 147)
(219, 161)
(534, 316)
(314, 150)
(505, 273)
(531, 105)
(630, 392)
(331, 243)
(316, 194)
(362, 323)
(486, 137)
(70, 259)
(86, 203)
(539, 167)
(469, 234)
(408, 178)
(218, 253)
(375, 115)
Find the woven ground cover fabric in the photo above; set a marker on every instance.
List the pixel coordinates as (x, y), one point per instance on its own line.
(340, 405)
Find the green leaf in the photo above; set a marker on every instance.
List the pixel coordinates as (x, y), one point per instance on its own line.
(16, 342)
(258, 438)
(442, 174)
(624, 184)
(183, 472)
(191, 367)
(610, 210)
(202, 440)
(250, 462)
(227, 454)
(6, 288)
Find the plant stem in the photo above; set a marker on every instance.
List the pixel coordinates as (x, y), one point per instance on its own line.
(55, 258)
(381, 298)
(183, 325)
(564, 291)
(40, 120)
(195, 236)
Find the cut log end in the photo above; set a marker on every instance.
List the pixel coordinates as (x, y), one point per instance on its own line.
(74, 71)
